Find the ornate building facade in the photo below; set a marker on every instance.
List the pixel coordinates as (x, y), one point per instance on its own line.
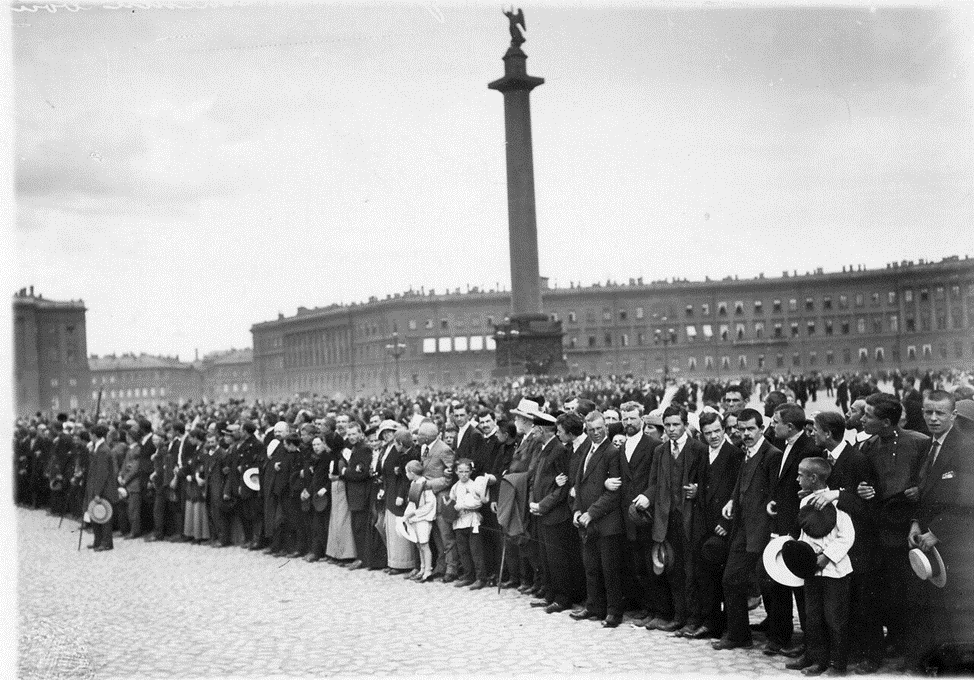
(142, 380)
(906, 316)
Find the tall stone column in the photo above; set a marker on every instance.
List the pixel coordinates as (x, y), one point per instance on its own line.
(528, 342)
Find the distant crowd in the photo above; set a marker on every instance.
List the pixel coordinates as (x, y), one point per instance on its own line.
(592, 496)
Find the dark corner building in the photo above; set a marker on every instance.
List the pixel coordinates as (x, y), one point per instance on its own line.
(50, 354)
(906, 316)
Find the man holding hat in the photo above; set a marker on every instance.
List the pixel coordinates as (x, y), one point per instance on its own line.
(250, 453)
(102, 485)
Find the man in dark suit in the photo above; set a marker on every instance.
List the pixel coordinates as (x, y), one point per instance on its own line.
(849, 470)
(745, 518)
(789, 425)
(550, 504)
(944, 520)
(273, 481)
(356, 476)
(674, 484)
(102, 483)
(896, 458)
(598, 516)
(643, 589)
(249, 453)
(721, 467)
(469, 439)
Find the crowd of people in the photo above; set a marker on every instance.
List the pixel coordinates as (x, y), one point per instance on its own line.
(596, 497)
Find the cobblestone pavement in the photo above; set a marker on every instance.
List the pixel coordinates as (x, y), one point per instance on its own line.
(152, 610)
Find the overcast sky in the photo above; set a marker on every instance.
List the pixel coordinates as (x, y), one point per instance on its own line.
(191, 172)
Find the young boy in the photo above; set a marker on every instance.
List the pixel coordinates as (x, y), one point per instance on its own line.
(826, 593)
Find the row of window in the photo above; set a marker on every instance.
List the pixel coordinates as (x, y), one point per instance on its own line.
(878, 355)
(72, 382)
(133, 393)
(475, 343)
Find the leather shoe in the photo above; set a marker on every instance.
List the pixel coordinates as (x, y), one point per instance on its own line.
(311, 558)
(357, 564)
(103, 548)
(510, 584)
(701, 633)
(554, 608)
(867, 667)
(670, 626)
(815, 669)
(540, 604)
(612, 621)
(800, 663)
(772, 648)
(584, 615)
(463, 584)
(794, 651)
(686, 631)
(449, 578)
(525, 589)
(834, 672)
(477, 585)
(724, 643)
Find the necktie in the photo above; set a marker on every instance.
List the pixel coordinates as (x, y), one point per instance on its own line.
(934, 450)
(426, 449)
(831, 459)
(588, 457)
(676, 450)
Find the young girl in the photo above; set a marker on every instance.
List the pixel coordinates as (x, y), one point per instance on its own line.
(420, 512)
(470, 495)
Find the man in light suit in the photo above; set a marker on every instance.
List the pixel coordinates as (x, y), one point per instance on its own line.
(598, 516)
(437, 459)
(745, 518)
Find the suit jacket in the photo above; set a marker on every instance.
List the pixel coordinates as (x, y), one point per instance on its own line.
(102, 473)
(130, 476)
(850, 470)
(635, 479)
(526, 451)
(470, 447)
(660, 492)
(591, 496)
(552, 499)
(947, 493)
(357, 476)
(251, 453)
(751, 494)
(394, 479)
(785, 488)
(716, 488)
(438, 467)
(503, 453)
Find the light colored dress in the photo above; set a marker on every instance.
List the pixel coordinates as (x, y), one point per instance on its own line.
(424, 517)
(341, 541)
(400, 551)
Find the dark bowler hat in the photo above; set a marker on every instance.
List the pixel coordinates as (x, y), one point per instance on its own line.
(320, 503)
(715, 550)
(817, 523)
(800, 559)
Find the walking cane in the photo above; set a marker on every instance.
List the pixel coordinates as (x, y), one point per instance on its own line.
(500, 570)
(81, 532)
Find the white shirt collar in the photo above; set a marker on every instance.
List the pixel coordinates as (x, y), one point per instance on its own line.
(838, 450)
(757, 445)
(579, 440)
(681, 442)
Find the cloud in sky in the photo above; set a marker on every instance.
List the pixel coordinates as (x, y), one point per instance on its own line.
(192, 172)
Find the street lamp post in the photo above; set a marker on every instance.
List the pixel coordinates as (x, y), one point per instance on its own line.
(664, 337)
(396, 349)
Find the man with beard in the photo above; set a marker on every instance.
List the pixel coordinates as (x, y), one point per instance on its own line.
(745, 518)
(219, 480)
(895, 457)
